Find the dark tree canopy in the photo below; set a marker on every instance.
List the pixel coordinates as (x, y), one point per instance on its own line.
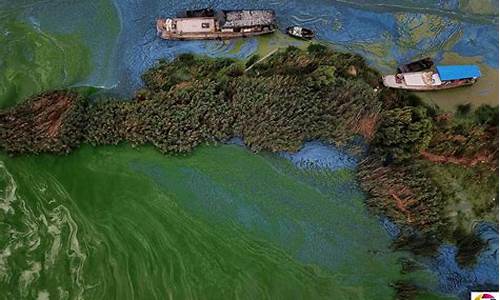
(404, 131)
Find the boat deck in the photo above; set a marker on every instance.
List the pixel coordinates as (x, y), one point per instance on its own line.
(212, 35)
(421, 81)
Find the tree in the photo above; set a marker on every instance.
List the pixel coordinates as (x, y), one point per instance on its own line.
(486, 114)
(403, 132)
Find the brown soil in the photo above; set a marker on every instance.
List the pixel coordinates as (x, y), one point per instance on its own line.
(49, 113)
(368, 125)
(37, 124)
(480, 158)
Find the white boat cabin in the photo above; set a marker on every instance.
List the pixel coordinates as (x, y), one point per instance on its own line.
(226, 21)
(416, 80)
(191, 25)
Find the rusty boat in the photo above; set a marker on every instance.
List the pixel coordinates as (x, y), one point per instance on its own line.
(208, 24)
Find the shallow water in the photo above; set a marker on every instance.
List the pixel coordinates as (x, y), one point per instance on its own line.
(121, 40)
(459, 280)
(117, 222)
(56, 44)
(386, 32)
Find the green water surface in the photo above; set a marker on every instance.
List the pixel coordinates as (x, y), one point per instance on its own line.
(223, 223)
(55, 44)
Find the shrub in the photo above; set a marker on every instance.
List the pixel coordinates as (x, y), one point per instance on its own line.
(464, 109)
(469, 245)
(317, 49)
(403, 132)
(253, 59)
(486, 114)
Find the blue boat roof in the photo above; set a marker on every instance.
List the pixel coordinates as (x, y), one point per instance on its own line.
(458, 72)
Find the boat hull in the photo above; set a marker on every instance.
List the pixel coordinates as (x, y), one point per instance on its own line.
(210, 35)
(300, 33)
(390, 81)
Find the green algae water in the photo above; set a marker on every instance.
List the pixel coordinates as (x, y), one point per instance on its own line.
(221, 223)
(35, 62)
(117, 223)
(54, 45)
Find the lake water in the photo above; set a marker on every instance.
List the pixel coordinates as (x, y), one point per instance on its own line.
(123, 223)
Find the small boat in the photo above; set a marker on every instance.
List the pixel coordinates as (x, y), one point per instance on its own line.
(300, 32)
(444, 77)
(208, 24)
(416, 66)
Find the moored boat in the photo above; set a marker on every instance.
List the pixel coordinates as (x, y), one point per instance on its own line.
(444, 77)
(207, 24)
(416, 66)
(300, 32)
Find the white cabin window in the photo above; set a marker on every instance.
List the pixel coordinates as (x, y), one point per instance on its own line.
(205, 25)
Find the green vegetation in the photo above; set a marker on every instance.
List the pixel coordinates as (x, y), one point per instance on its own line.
(470, 192)
(486, 115)
(469, 246)
(422, 169)
(403, 192)
(291, 97)
(49, 122)
(253, 59)
(437, 173)
(403, 132)
(276, 106)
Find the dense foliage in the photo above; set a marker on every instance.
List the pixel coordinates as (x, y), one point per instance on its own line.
(403, 132)
(403, 192)
(292, 97)
(437, 173)
(50, 122)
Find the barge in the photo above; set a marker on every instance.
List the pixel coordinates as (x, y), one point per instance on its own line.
(444, 77)
(207, 24)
